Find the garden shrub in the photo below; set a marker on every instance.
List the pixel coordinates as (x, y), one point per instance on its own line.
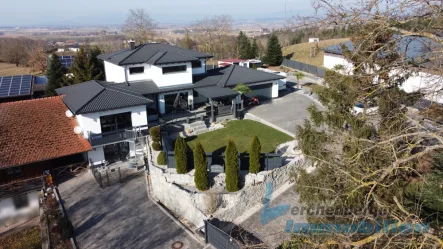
(201, 172)
(254, 156)
(161, 158)
(154, 131)
(156, 146)
(232, 167)
(180, 154)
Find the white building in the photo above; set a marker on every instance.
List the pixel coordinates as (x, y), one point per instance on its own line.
(312, 40)
(149, 82)
(241, 62)
(418, 81)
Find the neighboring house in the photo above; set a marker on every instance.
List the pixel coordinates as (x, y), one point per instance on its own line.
(153, 82)
(36, 136)
(241, 62)
(411, 48)
(66, 60)
(21, 87)
(312, 40)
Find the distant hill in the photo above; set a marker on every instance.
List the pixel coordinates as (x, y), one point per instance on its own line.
(301, 52)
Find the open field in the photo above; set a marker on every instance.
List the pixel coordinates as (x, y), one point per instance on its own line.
(302, 51)
(241, 132)
(7, 69)
(25, 239)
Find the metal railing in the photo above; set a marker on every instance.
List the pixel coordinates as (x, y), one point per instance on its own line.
(117, 136)
(21, 186)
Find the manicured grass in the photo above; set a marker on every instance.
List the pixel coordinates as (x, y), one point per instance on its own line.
(241, 132)
(25, 239)
(302, 51)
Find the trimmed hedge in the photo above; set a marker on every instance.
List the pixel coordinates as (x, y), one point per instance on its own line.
(156, 146)
(201, 171)
(232, 167)
(161, 158)
(154, 131)
(254, 156)
(180, 153)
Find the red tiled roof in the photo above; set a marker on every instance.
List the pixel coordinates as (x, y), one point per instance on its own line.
(37, 130)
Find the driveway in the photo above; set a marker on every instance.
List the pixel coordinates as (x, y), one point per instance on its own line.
(121, 216)
(285, 112)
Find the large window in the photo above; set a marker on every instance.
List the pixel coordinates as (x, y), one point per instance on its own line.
(136, 70)
(176, 102)
(174, 69)
(20, 201)
(116, 122)
(196, 64)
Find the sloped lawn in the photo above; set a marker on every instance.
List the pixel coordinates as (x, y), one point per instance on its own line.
(25, 239)
(241, 132)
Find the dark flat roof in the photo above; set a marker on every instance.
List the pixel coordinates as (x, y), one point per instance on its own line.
(154, 54)
(216, 92)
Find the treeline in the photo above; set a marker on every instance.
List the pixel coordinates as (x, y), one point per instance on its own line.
(24, 52)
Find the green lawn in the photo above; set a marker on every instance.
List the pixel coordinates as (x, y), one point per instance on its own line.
(241, 132)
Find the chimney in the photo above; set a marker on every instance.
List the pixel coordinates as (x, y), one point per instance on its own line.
(131, 44)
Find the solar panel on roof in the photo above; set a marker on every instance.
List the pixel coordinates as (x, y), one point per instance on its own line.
(15, 85)
(67, 60)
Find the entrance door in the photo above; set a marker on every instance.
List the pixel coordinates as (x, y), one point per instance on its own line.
(116, 152)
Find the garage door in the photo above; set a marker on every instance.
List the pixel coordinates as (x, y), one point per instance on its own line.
(263, 92)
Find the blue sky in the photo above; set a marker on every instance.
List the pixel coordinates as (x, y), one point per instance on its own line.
(53, 12)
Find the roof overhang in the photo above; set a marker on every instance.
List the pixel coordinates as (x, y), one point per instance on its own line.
(216, 92)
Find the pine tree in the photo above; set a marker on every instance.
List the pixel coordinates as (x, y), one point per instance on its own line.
(254, 156)
(98, 68)
(243, 46)
(232, 167)
(180, 154)
(86, 66)
(55, 75)
(253, 52)
(274, 54)
(201, 170)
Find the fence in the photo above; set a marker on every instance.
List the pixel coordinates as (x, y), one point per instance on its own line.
(317, 71)
(109, 177)
(218, 238)
(268, 161)
(21, 186)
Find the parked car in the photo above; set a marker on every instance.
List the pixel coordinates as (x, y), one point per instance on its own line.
(359, 107)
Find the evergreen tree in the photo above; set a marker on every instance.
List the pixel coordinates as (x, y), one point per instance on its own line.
(180, 154)
(253, 52)
(187, 41)
(55, 75)
(232, 167)
(86, 66)
(201, 170)
(254, 156)
(243, 46)
(274, 54)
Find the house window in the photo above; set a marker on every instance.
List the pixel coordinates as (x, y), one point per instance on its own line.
(20, 201)
(196, 64)
(174, 69)
(136, 70)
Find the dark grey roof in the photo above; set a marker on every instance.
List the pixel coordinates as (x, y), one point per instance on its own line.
(94, 96)
(411, 47)
(154, 54)
(234, 75)
(216, 92)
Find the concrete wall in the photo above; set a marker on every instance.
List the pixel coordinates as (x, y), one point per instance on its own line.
(9, 214)
(114, 72)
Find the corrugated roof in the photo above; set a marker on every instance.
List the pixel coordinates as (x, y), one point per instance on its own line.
(94, 96)
(153, 53)
(37, 130)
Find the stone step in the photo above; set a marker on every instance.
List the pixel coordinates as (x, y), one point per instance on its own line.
(198, 131)
(196, 124)
(199, 127)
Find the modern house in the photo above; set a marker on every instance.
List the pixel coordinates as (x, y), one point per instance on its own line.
(36, 136)
(155, 82)
(413, 49)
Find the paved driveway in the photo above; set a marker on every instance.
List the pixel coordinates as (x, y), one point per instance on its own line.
(285, 112)
(121, 216)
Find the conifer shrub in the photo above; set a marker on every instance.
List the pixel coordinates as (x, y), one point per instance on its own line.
(201, 170)
(254, 156)
(232, 167)
(180, 153)
(161, 158)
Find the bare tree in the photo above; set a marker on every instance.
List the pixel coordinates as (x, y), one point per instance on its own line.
(212, 36)
(37, 58)
(140, 26)
(389, 160)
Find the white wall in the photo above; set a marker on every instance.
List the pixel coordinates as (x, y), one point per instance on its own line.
(200, 70)
(172, 79)
(275, 88)
(9, 215)
(330, 60)
(96, 156)
(114, 72)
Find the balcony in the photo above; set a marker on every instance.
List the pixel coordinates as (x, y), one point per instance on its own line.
(118, 136)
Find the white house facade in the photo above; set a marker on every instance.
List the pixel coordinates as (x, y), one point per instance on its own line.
(153, 82)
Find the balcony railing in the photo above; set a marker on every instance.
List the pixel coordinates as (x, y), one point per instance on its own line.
(21, 186)
(117, 136)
